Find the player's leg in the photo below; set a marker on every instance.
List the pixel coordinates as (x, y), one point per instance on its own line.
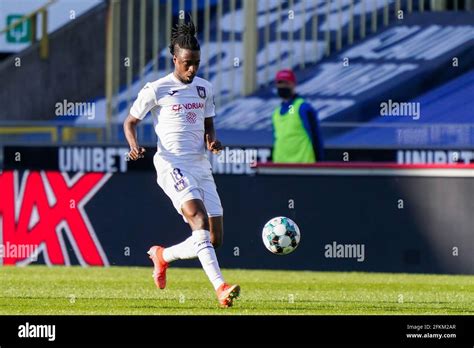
(179, 186)
(161, 256)
(226, 293)
(196, 215)
(216, 224)
(184, 191)
(214, 208)
(187, 196)
(185, 250)
(181, 251)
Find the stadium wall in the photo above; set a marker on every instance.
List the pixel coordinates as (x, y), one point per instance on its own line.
(75, 67)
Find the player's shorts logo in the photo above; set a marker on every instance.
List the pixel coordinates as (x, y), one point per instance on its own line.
(191, 117)
(181, 182)
(201, 91)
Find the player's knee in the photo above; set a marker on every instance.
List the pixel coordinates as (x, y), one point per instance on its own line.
(199, 220)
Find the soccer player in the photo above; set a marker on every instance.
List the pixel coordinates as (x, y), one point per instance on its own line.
(182, 106)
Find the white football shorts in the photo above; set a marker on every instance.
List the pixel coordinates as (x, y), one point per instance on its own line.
(185, 181)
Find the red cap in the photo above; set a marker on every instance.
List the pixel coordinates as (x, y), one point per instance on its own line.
(286, 75)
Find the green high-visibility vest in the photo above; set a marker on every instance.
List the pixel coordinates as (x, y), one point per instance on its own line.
(292, 143)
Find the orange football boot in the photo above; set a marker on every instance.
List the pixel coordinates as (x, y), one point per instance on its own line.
(159, 273)
(227, 294)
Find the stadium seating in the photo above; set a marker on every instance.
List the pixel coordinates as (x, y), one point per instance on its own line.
(445, 121)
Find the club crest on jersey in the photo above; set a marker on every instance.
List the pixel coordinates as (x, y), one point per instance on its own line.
(201, 91)
(191, 117)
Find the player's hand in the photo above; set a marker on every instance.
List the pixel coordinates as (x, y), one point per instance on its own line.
(215, 145)
(136, 153)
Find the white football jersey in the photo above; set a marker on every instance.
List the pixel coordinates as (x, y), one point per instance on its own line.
(178, 111)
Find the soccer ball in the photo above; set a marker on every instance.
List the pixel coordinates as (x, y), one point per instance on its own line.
(281, 235)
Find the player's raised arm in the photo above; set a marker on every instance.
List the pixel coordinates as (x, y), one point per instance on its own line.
(145, 101)
(212, 143)
(130, 130)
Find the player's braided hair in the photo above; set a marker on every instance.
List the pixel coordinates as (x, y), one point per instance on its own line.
(184, 35)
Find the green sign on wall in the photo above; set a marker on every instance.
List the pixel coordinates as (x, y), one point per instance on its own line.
(19, 34)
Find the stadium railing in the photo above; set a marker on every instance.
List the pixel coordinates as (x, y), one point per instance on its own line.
(49, 133)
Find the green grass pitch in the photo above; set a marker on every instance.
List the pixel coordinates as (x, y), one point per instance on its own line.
(131, 291)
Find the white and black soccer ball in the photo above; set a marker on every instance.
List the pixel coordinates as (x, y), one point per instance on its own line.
(281, 235)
